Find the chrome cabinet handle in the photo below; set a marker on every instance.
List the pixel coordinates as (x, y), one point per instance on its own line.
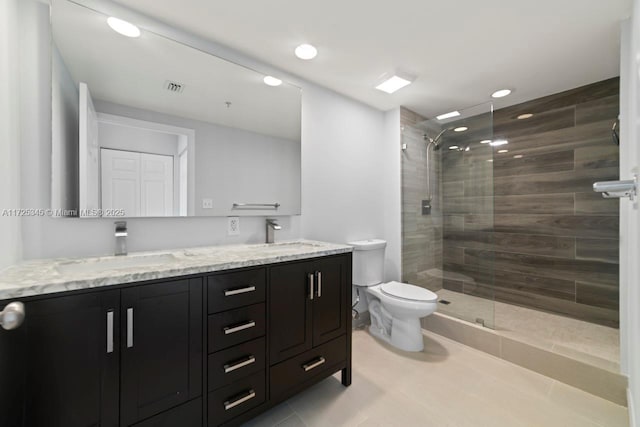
(12, 316)
(231, 329)
(110, 331)
(237, 364)
(319, 286)
(312, 365)
(129, 327)
(232, 403)
(310, 276)
(231, 292)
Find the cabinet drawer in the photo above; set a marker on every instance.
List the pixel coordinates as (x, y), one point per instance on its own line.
(237, 398)
(232, 290)
(307, 365)
(236, 362)
(236, 326)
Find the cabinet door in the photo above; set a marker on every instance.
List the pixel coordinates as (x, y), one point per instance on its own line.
(329, 304)
(71, 367)
(161, 347)
(289, 310)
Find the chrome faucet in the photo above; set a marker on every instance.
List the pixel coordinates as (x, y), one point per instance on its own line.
(121, 237)
(272, 226)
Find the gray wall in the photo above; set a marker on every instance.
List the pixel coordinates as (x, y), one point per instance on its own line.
(64, 134)
(10, 244)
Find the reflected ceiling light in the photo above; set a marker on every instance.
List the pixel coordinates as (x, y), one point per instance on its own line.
(461, 129)
(503, 151)
(467, 149)
(272, 81)
(448, 115)
(525, 116)
(306, 51)
(501, 93)
(499, 142)
(490, 160)
(123, 27)
(453, 147)
(518, 156)
(393, 84)
(485, 141)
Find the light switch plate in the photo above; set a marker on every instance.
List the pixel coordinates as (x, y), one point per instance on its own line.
(207, 203)
(233, 226)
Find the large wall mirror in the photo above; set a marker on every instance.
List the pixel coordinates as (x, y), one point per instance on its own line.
(148, 127)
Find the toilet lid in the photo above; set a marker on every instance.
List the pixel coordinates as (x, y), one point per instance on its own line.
(406, 291)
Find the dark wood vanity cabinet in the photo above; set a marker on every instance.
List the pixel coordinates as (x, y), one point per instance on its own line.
(212, 349)
(107, 358)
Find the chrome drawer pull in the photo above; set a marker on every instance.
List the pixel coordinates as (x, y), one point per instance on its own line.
(231, 292)
(231, 329)
(319, 286)
(110, 331)
(239, 400)
(310, 275)
(129, 327)
(230, 367)
(311, 365)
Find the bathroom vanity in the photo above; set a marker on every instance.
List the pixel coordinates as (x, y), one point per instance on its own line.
(205, 336)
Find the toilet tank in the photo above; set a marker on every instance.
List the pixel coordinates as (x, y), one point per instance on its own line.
(368, 262)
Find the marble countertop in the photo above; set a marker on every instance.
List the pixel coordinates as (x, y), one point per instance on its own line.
(48, 276)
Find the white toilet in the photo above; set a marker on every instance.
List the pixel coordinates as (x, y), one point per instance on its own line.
(395, 308)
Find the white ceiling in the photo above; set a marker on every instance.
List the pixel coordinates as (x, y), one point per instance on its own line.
(133, 72)
(460, 51)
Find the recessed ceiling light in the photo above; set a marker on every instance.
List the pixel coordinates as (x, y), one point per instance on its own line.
(306, 51)
(123, 27)
(525, 116)
(272, 81)
(448, 115)
(461, 129)
(499, 142)
(518, 156)
(503, 151)
(393, 84)
(501, 93)
(485, 141)
(453, 147)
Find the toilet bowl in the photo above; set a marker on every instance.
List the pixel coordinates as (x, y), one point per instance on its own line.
(395, 308)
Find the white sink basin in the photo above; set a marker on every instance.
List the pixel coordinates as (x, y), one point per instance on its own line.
(115, 263)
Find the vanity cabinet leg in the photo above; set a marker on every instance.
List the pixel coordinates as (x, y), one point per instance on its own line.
(346, 376)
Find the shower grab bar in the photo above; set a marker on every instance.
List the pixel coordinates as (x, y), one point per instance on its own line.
(256, 205)
(617, 189)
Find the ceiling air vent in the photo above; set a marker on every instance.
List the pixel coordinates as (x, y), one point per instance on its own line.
(173, 86)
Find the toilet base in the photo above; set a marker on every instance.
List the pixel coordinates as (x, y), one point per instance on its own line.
(406, 334)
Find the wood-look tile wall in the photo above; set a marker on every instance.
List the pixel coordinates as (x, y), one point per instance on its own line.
(421, 234)
(534, 233)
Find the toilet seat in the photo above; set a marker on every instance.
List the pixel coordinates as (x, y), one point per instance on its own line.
(408, 292)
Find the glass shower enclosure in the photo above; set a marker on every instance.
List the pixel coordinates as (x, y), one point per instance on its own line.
(447, 209)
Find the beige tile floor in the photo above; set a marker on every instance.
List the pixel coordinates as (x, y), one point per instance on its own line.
(595, 344)
(448, 384)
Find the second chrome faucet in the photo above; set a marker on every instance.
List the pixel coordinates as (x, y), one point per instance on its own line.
(272, 226)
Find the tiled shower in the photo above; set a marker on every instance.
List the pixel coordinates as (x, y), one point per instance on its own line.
(515, 226)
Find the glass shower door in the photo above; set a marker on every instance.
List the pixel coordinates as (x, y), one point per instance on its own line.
(447, 211)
